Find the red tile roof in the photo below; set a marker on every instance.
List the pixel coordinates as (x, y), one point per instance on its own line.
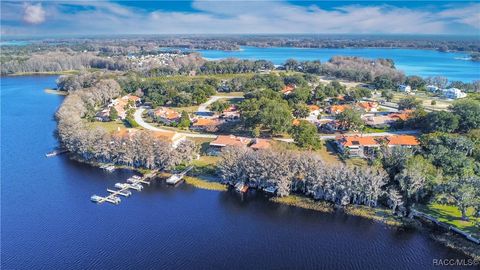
(261, 144)
(230, 140)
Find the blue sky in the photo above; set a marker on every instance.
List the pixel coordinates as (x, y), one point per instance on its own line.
(49, 18)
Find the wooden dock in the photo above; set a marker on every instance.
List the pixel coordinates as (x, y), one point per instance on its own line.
(123, 189)
(176, 178)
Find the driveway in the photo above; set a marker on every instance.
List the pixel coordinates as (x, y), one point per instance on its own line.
(203, 110)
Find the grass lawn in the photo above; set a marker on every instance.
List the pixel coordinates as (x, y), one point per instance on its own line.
(108, 126)
(188, 109)
(451, 215)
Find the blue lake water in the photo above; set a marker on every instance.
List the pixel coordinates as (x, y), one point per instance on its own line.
(48, 221)
(424, 63)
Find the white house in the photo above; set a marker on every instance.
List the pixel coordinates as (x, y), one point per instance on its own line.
(432, 88)
(453, 93)
(404, 88)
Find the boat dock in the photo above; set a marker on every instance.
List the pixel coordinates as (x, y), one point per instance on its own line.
(123, 189)
(176, 178)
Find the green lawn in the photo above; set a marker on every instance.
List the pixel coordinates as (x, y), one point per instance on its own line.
(451, 215)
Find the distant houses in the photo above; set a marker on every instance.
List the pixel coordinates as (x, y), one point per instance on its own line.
(366, 146)
(404, 88)
(386, 120)
(453, 93)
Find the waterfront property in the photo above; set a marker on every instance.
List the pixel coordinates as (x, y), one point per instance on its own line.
(227, 140)
(366, 146)
(206, 124)
(165, 115)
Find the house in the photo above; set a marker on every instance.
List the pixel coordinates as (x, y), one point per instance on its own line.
(432, 88)
(169, 136)
(231, 113)
(357, 146)
(260, 144)
(378, 121)
(315, 112)
(208, 124)
(165, 115)
(103, 115)
(333, 126)
(124, 103)
(368, 106)
(366, 146)
(227, 140)
(336, 109)
(453, 93)
(288, 89)
(381, 121)
(404, 88)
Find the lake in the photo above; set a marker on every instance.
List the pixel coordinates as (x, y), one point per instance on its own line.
(48, 221)
(424, 63)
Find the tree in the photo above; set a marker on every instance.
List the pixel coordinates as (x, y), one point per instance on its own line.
(291, 65)
(442, 121)
(305, 135)
(469, 113)
(113, 114)
(409, 103)
(384, 82)
(464, 191)
(184, 121)
(219, 106)
(415, 82)
(301, 110)
(276, 116)
(439, 81)
(350, 119)
(395, 199)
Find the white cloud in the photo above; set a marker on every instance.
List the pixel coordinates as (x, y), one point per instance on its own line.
(238, 17)
(34, 14)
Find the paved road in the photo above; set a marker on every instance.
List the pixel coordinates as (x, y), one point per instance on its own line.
(141, 122)
(203, 108)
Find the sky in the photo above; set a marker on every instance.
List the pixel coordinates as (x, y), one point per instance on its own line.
(76, 18)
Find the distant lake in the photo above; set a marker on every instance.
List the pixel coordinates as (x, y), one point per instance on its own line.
(48, 221)
(425, 63)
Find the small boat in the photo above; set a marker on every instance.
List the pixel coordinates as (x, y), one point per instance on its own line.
(110, 168)
(136, 186)
(241, 187)
(121, 185)
(95, 198)
(136, 177)
(55, 153)
(174, 179)
(270, 190)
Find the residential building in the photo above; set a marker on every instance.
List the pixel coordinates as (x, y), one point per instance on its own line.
(165, 115)
(453, 93)
(404, 88)
(124, 103)
(208, 124)
(336, 109)
(231, 113)
(227, 140)
(366, 146)
(288, 89)
(170, 136)
(369, 106)
(432, 88)
(260, 144)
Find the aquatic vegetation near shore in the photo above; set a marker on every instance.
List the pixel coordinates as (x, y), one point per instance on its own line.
(306, 203)
(204, 184)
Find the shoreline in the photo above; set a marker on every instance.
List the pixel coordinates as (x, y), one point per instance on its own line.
(55, 92)
(382, 215)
